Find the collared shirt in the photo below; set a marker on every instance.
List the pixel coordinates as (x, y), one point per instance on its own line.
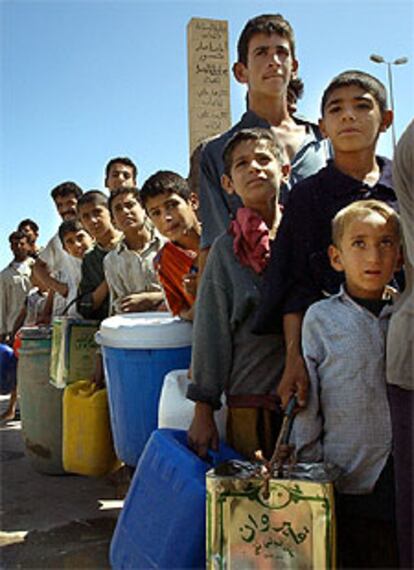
(400, 348)
(15, 285)
(347, 418)
(127, 271)
(216, 206)
(299, 272)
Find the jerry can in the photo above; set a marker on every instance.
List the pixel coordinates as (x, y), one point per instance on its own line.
(87, 438)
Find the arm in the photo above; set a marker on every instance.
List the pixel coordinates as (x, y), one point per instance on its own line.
(99, 295)
(295, 378)
(42, 272)
(138, 302)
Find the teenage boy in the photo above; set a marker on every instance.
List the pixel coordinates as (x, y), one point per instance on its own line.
(120, 172)
(94, 215)
(354, 113)
(31, 229)
(15, 284)
(53, 258)
(129, 268)
(267, 65)
(172, 209)
(227, 357)
(347, 420)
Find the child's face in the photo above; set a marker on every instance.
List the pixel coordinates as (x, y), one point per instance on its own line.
(270, 65)
(369, 254)
(66, 206)
(255, 174)
(352, 119)
(128, 213)
(172, 215)
(96, 219)
(77, 243)
(120, 176)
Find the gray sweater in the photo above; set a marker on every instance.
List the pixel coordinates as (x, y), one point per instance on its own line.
(226, 355)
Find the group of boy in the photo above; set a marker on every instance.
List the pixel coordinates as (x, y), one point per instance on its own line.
(286, 274)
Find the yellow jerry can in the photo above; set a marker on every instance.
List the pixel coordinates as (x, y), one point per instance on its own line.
(87, 439)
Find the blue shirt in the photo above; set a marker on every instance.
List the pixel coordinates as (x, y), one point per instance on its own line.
(299, 272)
(216, 206)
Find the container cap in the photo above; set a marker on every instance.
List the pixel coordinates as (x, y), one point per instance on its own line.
(144, 331)
(34, 333)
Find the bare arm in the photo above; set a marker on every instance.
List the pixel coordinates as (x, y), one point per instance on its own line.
(100, 294)
(145, 301)
(41, 272)
(295, 377)
(202, 434)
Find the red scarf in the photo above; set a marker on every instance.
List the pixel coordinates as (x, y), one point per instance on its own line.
(251, 244)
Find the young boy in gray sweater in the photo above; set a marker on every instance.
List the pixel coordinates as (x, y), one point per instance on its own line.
(227, 357)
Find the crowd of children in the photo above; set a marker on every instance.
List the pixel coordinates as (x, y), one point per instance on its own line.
(284, 246)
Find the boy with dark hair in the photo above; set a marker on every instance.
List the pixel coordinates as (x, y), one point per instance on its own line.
(75, 239)
(31, 229)
(120, 172)
(347, 420)
(353, 116)
(172, 208)
(53, 258)
(95, 217)
(129, 268)
(268, 66)
(227, 357)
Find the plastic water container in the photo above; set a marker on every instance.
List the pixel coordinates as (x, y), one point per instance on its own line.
(40, 402)
(138, 350)
(7, 369)
(176, 410)
(162, 523)
(87, 439)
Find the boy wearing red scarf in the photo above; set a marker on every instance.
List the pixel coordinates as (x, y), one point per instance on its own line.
(227, 357)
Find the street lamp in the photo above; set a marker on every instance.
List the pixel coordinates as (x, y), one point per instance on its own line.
(399, 61)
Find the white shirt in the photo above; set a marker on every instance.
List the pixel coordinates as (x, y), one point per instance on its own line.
(15, 285)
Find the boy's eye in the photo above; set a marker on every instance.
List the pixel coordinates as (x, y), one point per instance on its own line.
(154, 213)
(334, 109)
(358, 243)
(387, 242)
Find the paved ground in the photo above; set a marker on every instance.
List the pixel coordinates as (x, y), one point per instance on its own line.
(59, 521)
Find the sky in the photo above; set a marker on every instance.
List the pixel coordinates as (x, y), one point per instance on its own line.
(84, 81)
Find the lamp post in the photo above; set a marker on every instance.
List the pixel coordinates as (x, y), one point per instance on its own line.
(399, 61)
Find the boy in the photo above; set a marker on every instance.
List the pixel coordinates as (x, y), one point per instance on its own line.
(172, 208)
(129, 271)
(120, 172)
(53, 258)
(93, 298)
(347, 420)
(226, 356)
(31, 229)
(268, 66)
(354, 113)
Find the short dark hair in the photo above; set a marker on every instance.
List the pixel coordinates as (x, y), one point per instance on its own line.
(256, 134)
(360, 79)
(28, 222)
(264, 24)
(17, 235)
(69, 226)
(133, 190)
(122, 160)
(165, 182)
(93, 197)
(66, 188)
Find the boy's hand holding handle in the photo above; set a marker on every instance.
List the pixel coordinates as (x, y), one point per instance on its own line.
(202, 434)
(294, 382)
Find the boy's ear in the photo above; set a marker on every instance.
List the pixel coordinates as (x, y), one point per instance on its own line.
(194, 201)
(227, 184)
(285, 169)
(240, 72)
(321, 124)
(387, 119)
(335, 258)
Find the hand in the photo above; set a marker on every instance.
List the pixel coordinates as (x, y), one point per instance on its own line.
(139, 302)
(190, 283)
(295, 380)
(202, 434)
(62, 289)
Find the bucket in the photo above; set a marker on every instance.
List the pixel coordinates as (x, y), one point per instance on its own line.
(138, 350)
(40, 402)
(87, 439)
(73, 350)
(162, 523)
(176, 410)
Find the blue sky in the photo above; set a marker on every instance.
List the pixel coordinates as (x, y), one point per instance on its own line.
(84, 81)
